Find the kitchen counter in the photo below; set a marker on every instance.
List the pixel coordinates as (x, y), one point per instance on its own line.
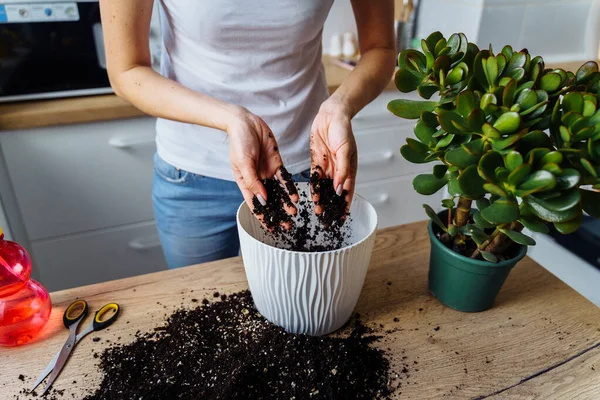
(32, 114)
(540, 340)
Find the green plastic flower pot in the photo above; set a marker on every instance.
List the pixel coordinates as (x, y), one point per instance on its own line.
(463, 283)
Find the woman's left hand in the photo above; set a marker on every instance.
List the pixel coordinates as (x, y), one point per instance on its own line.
(333, 149)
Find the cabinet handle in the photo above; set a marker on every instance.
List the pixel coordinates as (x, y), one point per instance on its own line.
(375, 158)
(123, 142)
(145, 243)
(378, 200)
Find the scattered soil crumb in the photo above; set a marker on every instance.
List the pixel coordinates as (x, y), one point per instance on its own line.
(227, 350)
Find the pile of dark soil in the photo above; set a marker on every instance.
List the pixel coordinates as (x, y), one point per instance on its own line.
(303, 235)
(227, 350)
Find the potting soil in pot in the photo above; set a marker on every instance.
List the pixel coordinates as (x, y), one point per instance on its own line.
(227, 350)
(324, 233)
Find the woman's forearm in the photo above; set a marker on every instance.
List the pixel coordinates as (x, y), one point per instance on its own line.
(161, 97)
(372, 74)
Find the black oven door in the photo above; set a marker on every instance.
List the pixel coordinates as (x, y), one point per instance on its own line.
(53, 49)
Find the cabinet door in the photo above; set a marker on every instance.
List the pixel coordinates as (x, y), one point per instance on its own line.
(77, 178)
(396, 202)
(99, 256)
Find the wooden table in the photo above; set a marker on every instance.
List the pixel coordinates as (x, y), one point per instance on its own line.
(541, 339)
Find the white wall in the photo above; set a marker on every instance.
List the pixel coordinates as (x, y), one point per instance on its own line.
(340, 20)
(558, 30)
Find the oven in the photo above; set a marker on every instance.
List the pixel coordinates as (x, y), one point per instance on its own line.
(51, 49)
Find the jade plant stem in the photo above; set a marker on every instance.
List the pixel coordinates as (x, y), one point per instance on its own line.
(486, 243)
(463, 211)
(501, 242)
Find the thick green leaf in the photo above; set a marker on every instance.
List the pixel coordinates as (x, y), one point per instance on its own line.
(460, 157)
(555, 169)
(483, 203)
(412, 59)
(569, 226)
(586, 71)
(406, 80)
(487, 256)
(552, 157)
(489, 132)
(465, 103)
(470, 182)
(425, 134)
(588, 167)
(562, 202)
(488, 164)
(429, 119)
(518, 237)
(453, 187)
(452, 122)
(439, 170)
(476, 233)
(502, 211)
(519, 174)
(513, 159)
(549, 215)
(550, 82)
(417, 146)
(508, 123)
(448, 203)
(434, 217)
(445, 141)
(527, 98)
(410, 109)
(508, 95)
(502, 174)
(535, 155)
(590, 200)
(427, 184)
(475, 120)
(412, 156)
(534, 224)
(502, 144)
(474, 147)
(573, 101)
(538, 181)
(568, 179)
(432, 40)
(481, 222)
(426, 91)
(495, 189)
(532, 140)
(491, 71)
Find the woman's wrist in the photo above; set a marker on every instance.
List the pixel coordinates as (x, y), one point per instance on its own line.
(336, 105)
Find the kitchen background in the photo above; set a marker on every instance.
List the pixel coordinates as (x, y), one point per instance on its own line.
(60, 199)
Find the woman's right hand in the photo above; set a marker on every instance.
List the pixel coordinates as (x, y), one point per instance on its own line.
(255, 156)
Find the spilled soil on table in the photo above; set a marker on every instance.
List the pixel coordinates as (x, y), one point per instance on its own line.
(227, 350)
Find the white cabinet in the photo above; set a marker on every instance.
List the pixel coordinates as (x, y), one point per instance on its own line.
(99, 256)
(77, 178)
(84, 195)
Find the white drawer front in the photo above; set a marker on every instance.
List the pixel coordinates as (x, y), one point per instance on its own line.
(379, 154)
(76, 178)
(396, 201)
(98, 257)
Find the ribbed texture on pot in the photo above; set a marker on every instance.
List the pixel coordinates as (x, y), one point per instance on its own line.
(312, 293)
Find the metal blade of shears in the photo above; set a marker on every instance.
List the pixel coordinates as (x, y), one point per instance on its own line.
(52, 363)
(64, 354)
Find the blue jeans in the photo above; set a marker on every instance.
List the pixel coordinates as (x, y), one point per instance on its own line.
(196, 215)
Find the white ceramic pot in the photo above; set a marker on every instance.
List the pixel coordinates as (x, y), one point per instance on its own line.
(308, 292)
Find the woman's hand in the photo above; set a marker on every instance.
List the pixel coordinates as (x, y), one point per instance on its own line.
(333, 149)
(255, 156)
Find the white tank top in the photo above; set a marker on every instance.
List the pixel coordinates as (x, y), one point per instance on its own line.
(264, 55)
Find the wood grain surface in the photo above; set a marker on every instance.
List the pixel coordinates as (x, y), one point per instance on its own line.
(541, 340)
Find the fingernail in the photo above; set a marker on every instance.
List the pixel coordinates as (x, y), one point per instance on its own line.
(338, 191)
(261, 200)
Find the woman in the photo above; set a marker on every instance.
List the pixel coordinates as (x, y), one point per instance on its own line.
(241, 93)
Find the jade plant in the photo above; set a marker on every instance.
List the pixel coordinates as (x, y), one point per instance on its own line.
(516, 144)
